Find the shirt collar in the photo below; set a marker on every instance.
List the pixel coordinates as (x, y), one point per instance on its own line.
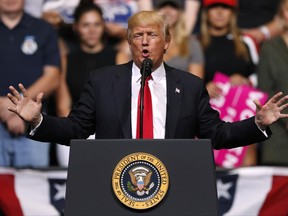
(24, 21)
(157, 75)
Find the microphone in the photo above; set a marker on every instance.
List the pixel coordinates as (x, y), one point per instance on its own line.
(146, 68)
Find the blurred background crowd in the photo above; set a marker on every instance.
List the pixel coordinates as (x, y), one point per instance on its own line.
(52, 45)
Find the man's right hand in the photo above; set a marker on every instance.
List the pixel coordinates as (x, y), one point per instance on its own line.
(25, 107)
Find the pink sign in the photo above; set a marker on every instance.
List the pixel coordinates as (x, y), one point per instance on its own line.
(234, 104)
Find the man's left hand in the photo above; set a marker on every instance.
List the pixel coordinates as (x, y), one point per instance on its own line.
(270, 112)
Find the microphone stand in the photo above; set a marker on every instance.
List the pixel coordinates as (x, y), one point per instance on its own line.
(143, 78)
(146, 70)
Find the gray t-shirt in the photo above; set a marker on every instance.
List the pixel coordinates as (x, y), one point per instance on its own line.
(195, 56)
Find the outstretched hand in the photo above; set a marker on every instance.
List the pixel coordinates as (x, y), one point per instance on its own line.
(25, 107)
(270, 112)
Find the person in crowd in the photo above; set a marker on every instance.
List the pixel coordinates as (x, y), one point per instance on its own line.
(29, 53)
(55, 19)
(272, 76)
(190, 10)
(226, 50)
(185, 51)
(60, 15)
(116, 14)
(179, 102)
(93, 53)
(257, 19)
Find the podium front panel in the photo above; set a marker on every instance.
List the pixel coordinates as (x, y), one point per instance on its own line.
(190, 165)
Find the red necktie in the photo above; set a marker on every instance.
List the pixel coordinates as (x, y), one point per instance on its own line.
(147, 113)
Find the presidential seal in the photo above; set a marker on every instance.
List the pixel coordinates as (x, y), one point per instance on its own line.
(140, 181)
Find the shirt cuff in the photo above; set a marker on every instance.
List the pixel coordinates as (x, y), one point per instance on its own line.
(263, 131)
(33, 130)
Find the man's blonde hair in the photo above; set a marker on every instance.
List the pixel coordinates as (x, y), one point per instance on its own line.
(148, 18)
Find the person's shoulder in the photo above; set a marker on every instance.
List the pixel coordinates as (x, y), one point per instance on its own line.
(274, 40)
(273, 43)
(194, 38)
(109, 49)
(109, 52)
(38, 23)
(194, 41)
(183, 76)
(189, 81)
(108, 72)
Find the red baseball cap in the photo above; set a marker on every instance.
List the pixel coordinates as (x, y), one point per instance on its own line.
(231, 3)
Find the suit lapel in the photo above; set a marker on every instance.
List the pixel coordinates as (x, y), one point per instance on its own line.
(174, 101)
(122, 92)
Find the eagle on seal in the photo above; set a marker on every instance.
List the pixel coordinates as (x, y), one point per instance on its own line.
(140, 178)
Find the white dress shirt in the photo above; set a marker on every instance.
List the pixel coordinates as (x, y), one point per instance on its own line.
(157, 87)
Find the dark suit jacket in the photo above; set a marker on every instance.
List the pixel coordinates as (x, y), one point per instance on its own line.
(105, 108)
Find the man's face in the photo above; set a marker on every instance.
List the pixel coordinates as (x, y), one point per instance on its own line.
(11, 6)
(148, 41)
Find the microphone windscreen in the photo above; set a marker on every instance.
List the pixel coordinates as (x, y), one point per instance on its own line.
(148, 62)
(146, 66)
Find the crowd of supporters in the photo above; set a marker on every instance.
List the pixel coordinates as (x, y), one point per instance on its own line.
(246, 40)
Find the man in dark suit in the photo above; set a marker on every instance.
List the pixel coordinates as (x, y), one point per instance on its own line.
(181, 109)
